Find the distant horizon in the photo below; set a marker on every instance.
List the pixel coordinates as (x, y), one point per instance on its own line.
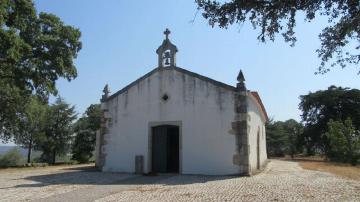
(7, 145)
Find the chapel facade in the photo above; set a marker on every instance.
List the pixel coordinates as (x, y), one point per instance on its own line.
(172, 120)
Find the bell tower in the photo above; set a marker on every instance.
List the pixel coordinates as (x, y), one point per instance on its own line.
(167, 52)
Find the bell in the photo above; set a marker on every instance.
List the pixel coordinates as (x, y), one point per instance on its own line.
(167, 58)
(167, 55)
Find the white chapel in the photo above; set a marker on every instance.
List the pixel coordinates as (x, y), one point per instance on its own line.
(172, 120)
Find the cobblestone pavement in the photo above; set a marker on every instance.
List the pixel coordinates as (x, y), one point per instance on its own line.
(36, 183)
(281, 181)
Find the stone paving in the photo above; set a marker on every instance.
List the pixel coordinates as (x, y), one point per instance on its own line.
(37, 183)
(281, 181)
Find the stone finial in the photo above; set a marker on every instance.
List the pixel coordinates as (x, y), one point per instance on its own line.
(241, 84)
(241, 77)
(106, 92)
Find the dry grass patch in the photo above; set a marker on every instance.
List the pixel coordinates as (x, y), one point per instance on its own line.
(343, 170)
(320, 164)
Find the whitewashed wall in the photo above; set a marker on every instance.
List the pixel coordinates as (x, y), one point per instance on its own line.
(204, 110)
(256, 124)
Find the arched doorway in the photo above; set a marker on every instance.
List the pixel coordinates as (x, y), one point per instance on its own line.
(165, 149)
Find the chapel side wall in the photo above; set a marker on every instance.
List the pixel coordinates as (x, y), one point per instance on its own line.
(256, 124)
(204, 110)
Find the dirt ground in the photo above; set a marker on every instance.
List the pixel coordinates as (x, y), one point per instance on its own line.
(281, 181)
(320, 164)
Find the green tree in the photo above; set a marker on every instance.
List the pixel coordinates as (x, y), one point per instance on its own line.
(93, 114)
(276, 139)
(318, 108)
(58, 130)
(283, 137)
(344, 141)
(12, 103)
(279, 17)
(35, 50)
(84, 143)
(85, 134)
(31, 125)
(293, 130)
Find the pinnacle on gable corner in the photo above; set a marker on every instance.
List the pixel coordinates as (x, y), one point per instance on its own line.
(106, 92)
(241, 77)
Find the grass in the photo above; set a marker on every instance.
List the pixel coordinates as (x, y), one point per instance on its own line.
(320, 164)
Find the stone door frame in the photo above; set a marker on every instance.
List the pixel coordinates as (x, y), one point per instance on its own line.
(150, 135)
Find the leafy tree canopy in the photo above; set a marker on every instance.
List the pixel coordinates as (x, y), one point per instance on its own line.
(84, 143)
(85, 134)
(276, 139)
(93, 114)
(58, 130)
(318, 108)
(283, 137)
(344, 142)
(31, 126)
(274, 17)
(294, 131)
(35, 51)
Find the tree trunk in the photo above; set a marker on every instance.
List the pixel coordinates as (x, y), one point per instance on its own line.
(54, 157)
(309, 150)
(29, 153)
(29, 150)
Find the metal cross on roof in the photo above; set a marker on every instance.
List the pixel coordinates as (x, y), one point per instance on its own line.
(167, 33)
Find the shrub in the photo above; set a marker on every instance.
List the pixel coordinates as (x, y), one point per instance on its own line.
(83, 147)
(36, 160)
(11, 159)
(344, 142)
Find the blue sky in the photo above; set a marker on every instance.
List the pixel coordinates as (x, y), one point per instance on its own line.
(120, 38)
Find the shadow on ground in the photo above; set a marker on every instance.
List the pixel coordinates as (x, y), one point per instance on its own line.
(89, 175)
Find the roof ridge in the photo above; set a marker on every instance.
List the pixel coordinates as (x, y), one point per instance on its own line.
(179, 69)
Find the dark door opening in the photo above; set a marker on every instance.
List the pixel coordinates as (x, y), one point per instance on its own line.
(165, 149)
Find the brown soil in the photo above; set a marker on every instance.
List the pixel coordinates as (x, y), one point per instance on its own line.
(320, 164)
